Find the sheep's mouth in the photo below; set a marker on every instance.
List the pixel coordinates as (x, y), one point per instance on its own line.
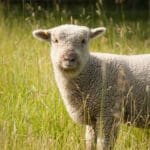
(67, 66)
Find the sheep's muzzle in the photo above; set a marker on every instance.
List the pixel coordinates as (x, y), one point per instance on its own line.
(69, 61)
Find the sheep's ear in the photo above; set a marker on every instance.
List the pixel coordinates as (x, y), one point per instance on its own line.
(42, 34)
(97, 32)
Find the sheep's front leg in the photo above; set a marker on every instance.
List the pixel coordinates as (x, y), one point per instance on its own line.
(108, 134)
(91, 137)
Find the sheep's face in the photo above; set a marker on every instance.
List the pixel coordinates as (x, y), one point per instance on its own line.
(69, 46)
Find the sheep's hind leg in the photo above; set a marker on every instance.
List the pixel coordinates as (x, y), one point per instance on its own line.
(91, 137)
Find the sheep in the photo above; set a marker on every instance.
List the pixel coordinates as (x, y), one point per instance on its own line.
(99, 90)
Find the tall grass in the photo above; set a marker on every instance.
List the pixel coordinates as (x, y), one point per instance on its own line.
(32, 114)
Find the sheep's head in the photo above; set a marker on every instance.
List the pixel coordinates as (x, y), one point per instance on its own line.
(69, 46)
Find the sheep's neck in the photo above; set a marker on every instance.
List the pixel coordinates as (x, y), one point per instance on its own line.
(78, 92)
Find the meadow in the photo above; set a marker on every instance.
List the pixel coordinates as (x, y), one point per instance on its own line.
(32, 114)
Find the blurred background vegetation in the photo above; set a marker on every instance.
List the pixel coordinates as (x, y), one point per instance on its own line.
(32, 114)
(109, 6)
(130, 4)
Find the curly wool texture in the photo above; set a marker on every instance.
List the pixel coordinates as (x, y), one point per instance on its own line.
(122, 82)
(99, 90)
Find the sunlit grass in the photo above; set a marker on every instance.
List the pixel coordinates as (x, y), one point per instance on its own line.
(32, 114)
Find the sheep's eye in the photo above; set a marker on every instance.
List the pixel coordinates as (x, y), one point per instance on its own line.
(55, 41)
(83, 41)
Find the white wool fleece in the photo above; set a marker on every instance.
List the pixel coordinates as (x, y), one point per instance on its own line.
(99, 90)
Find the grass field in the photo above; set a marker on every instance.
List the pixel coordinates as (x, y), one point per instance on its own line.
(32, 114)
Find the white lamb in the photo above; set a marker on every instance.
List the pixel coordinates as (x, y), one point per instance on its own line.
(99, 90)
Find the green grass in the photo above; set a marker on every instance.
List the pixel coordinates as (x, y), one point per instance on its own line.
(32, 114)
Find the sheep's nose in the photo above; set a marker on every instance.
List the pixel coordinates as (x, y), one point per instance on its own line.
(70, 56)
